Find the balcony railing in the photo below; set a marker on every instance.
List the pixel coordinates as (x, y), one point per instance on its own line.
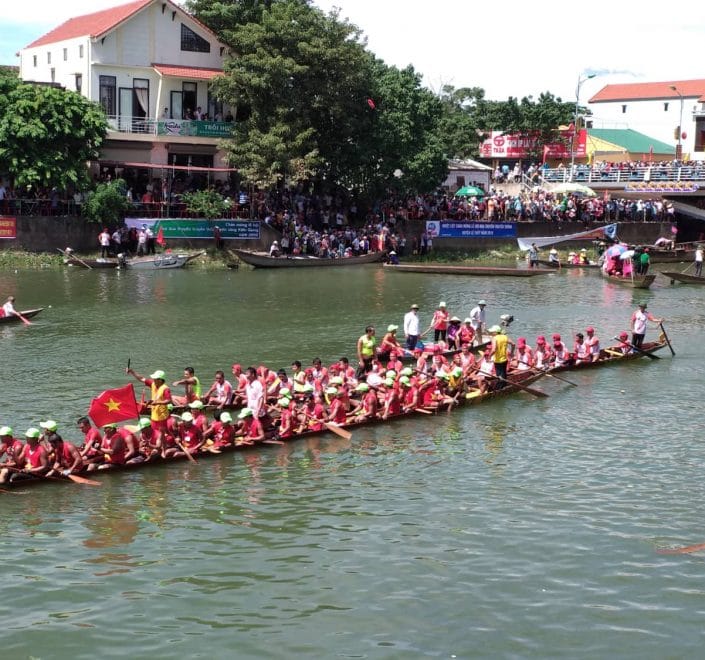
(170, 127)
(653, 173)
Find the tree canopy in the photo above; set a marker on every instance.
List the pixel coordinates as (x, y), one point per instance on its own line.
(47, 134)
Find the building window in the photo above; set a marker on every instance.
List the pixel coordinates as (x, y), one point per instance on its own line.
(49, 57)
(665, 107)
(107, 94)
(53, 74)
(189, 96)
(80, 51)
(79, 82)
(34, 60)
(66, 54)
(624, 109)
(192, 42)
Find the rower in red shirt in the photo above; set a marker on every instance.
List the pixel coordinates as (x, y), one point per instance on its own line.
(199, 416)
(410, 399)
(336, 411)
(150, 440)
(314, 412)
(367, 408)
(34, 459)
(67, 458)
(190, 436)
(132, 447)
(221, 432)
(286, 418)
(11, 449)
(91, 439)
(250, 428)
(112, 449)
(239, 384)
(392, 401)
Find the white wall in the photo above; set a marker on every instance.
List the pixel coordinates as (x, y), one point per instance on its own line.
(64, 70)
(650, 118)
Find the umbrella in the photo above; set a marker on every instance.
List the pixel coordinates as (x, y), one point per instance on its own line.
(627, 254)
(470, 191)
(615, 250)
(574, 188)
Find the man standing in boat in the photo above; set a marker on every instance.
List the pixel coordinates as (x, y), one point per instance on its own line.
(499, 352)
(411, 327)
(639, 322)
(160, 397)
(699, 261)
(478, 320)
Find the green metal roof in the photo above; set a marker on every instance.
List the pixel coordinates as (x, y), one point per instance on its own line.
(633, 141)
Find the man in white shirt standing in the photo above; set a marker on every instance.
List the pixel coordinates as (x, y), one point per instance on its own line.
(411, 327)
(478, 321)
(699, 261)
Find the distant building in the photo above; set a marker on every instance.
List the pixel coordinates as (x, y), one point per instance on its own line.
(149, 65)
(467, 173)
(656, 109)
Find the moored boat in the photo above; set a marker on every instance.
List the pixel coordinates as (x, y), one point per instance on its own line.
(486, 271)
(263, 260)
(635, 281)
(684, 278)
(560, 265)
(27, 313)
(92, 263)
(162, 261)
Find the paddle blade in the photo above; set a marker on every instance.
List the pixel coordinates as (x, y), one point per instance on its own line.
(82, 480)
(338, 430)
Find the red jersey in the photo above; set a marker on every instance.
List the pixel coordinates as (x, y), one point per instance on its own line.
(337, 410)
(392, 403)
(13, 449)
(65, 459)
(92, 439)
(317, 415)
(252, 428)
(191, 436)
(285, 425)
(223, 434)
(111, 443)
(33, 457)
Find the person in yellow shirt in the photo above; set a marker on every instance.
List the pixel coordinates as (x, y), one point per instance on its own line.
(499, 352)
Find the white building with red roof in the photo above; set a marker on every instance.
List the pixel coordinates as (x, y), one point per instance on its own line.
(672, 111)
(149, 64)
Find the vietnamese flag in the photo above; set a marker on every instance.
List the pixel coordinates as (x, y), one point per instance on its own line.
(160, 237)
(114, 405)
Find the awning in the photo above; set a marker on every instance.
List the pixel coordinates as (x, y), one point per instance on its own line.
(156, 166)
(193, 72)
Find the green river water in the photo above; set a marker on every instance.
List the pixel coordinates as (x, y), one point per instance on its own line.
(518, 528)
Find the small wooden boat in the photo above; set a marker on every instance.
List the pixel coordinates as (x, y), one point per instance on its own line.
(263, 260)
(522, 379)
(683, 278)
(487, 271)
(92, 263)
(635, 282)
(27, 313)
(162, 261)
(562, 265)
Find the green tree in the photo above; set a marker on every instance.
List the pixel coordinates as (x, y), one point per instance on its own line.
(460, 125)
(205, 203)
(108, 203)
(47, 134)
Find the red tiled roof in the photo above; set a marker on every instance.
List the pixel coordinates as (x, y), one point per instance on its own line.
(651, 91)
(187, 71)
(91, 25)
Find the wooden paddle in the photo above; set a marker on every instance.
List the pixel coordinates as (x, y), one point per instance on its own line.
(424, 411)
(668, 341)
(548, 373)
(70, 255)
(637, 349)
(22, 318)
(530, 390)
(186, 451)
(331, 426)
(82, 480)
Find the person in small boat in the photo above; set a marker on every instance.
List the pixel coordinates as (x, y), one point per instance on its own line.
(192, 388)
(274, 250)
(220, 392)
(593, 343)
(389, 344)
(34, 460)
(365, 351)
(112, 449)
(639, 321)
(553, 256)
(67, 459)
(581, 352)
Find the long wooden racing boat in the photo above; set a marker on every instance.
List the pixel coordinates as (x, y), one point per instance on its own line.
(487, 271)
(27, 313)
(564, 264)
(612, 356)
(683, 277)
(92, 263)
(263, 260)
(522, 379)
(635, 282)
(162, 261)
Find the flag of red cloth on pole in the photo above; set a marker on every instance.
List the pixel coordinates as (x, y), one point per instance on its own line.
(115, 405)
(160, 237)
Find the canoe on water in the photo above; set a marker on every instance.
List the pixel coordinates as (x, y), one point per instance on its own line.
(27, 313)
(486, 271)
(611, 356)
(523, 379)
(683, 277)
(560, 266)
(636, 282)
(263, 260)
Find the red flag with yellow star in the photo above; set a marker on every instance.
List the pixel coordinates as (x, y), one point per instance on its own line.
(115, 405)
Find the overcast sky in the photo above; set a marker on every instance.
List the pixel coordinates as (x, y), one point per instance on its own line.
(522, 48)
